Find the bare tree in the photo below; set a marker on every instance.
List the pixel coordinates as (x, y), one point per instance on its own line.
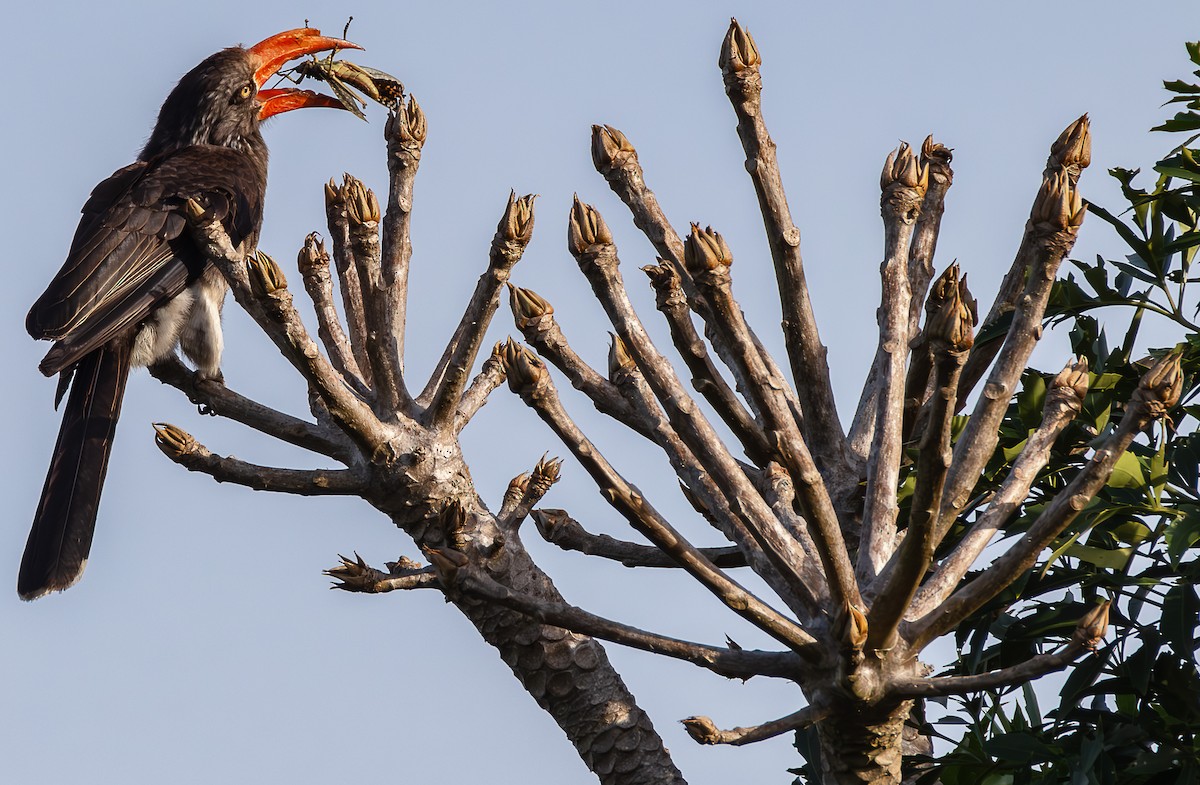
(809, 507)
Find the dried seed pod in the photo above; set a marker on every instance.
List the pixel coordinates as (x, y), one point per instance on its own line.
(850, 627)
(1162, 385)
(610, 148)
(313, 255)
(523, 368)
(702, 730)
(362, 207)
(545, 474)
(172, 440)
(705, 250)
(516, 225)
(527, 306)
(517, 488)
(586, 228)
(1091, 628)
(620, 361)
(738, 50)
(1073, 378)
(266, 277)
(1074, 145)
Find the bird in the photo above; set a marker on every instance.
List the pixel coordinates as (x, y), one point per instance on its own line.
(135, 284)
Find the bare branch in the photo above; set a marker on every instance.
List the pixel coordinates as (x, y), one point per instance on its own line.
(178, 445)
(269, 303)
(731, 663)
(708, 260)
(362, 213)
(1086, 637)
(1063, 402)
(527, 376)
(1158, 391)
(525, 491)
(405, 134)
(904, 183)
(348, 282)
(313, 261)
(535, 319)
(616, 159)
(1027, 671)
(706, 378)
(739, 63)
(490, 377)
(1070, 154)
(591, 244)
(216, 398)
(355, 575)
(1058, 214)
(794, 573)
(450, 376)
(949, 332)
(562, 530)
(936, 157)
(704, 731)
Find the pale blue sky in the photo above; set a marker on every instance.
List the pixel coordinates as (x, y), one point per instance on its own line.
(202, 644)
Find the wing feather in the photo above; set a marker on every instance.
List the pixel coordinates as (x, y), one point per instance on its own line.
(131, 253)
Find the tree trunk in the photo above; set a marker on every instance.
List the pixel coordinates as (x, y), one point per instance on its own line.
(862, 744)
(569, 675)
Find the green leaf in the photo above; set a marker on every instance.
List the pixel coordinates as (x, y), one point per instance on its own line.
(1104, 558)
(1127, 473)
(1180, 608)
(1182, 534)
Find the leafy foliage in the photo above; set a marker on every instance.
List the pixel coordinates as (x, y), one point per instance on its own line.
(1130, 713)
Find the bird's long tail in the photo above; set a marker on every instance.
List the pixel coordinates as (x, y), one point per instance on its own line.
(61, 537)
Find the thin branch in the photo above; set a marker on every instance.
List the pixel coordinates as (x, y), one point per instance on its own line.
(1058, 214)
(528, 377)
(490, 377)
(526, 490)
(269, 303)
(450, 376)
(950, 334)
(362, 213)
(560, 529)
(709, 259)
(216, 398)
(405, 135)
(704, 731)
(904, 182)
(348, 282)
(706, 378)
(1023, 673)
(1158, 391)
(534, 317)
(616, 159)
(731, 663)
(1070, 154)
(794, 573)
(183, 449)
(591, 243)
(739, 63)
(313, 261)
(1063, 401)
(355, 575)
(937, 158)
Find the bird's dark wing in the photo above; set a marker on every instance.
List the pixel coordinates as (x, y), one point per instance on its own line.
(131, 253)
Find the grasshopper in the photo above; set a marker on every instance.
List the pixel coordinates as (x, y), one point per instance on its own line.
(344, 77)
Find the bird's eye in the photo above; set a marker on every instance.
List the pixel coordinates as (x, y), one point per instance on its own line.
(246, 91)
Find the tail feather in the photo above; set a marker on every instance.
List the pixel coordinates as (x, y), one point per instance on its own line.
(61, 537)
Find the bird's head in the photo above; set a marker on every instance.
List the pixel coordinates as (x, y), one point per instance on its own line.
(222, 100)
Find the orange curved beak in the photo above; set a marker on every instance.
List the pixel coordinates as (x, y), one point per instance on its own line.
(270, 54)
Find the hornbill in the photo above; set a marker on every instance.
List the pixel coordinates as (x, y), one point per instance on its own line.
(135, 283)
